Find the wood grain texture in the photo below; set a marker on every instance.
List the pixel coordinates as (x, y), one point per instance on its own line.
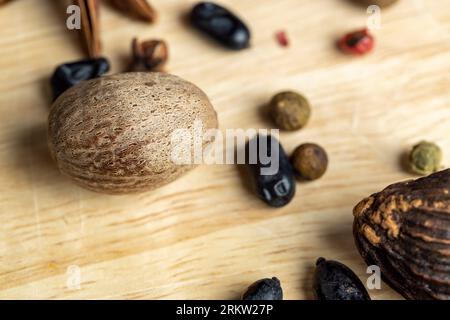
(206, 235)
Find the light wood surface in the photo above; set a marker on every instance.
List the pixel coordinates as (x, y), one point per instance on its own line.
(206, 236)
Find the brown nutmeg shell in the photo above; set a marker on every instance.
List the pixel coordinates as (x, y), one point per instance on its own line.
(114, 134)
(405, 230)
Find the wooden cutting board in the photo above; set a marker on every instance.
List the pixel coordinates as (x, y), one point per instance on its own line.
(206, 236)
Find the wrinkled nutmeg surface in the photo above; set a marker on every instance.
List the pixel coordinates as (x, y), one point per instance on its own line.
(405, 230)
(113, 134)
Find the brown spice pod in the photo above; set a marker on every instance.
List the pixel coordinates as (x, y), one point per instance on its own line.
(151, 55)
(405, 230)
(138, 8)
(90, 26)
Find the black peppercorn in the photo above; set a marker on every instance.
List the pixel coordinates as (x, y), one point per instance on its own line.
(270, 170)
(70, 74)
(264, 289)
(335, 281)
(221, 24)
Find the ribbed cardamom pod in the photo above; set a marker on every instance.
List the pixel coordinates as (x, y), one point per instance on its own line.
(405, 230)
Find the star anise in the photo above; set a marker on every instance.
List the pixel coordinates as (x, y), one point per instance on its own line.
(90, 26)
(138, 8)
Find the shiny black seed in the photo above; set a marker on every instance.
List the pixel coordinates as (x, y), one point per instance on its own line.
(270, 170)
(69, 74)
(335, 281)
(264, 289)
(221, 24)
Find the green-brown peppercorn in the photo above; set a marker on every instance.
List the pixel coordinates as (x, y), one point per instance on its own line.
(425, 158)
(289, 110)
(310, 161)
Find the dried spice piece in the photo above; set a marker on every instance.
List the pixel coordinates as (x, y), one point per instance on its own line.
(335, 281)
(357, 43)
(310, 161)
(90, 26)
(102, 132)
(282, 38)
(425, 158)
(4, 1)
(221, 24)
(380, 3)
(289, 110)
(270, 170)
(138, 8)
(72, 73)
(405, 230)
(149, 55)
(264, 289)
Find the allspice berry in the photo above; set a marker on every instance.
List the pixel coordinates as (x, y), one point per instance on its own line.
(310, 161)
(289, 110)
(425, 158)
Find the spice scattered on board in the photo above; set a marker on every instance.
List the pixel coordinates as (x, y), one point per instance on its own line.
(221, 24)
(425, 158)
(335, 281)
(90, 26)
(357, 43)
(4, 1)
(102, 131)
(310, 161)
(289, 110)
(404, 230)
(264, 289)
(72, 73)
(151, 55)
(282, 38)
(137, 8)
(270, 170)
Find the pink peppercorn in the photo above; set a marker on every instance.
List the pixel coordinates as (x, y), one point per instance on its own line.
(282, 38)
(357, 43)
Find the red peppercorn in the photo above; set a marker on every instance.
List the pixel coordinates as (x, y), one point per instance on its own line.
(282, 38)
(358, 43)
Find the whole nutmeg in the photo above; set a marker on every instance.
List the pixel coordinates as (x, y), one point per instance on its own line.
(115, 134)
(425, 158)
(405, 231)
(289, 110)
(380, 3)
(264, 289)
(310, 161)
